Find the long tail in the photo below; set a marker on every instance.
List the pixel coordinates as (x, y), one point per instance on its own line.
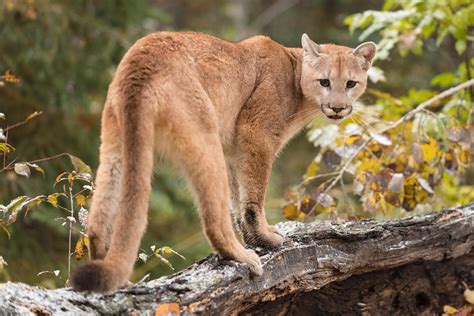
(137, 134)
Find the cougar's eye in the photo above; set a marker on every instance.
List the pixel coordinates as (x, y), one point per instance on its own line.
(325, 82)
(350, 84)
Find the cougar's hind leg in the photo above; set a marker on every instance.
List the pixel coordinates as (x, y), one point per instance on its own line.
(106, 196)
(234, 197)
(202, 159)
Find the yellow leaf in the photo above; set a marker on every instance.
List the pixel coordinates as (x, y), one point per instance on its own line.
(53, 200)
(6, 148)
(80, 199)
(464, 156)
(167, 250)
(430, 150)
(369, 164)
(449, 309)
(351, 140)
(290, 211)
(82, 246)
(312, 169)
(469, 296)
(167, 309)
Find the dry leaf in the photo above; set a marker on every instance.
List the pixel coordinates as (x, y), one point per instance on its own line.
(290, 211)
(449, 309)
(469, 296)
(82, 246)
(22, 169)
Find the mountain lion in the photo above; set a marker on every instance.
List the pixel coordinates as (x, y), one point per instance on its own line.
(221, 111)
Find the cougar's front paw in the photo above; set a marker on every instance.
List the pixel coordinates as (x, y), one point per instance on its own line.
(250, 258)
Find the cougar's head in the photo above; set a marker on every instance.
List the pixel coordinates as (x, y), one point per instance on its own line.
(333, 76)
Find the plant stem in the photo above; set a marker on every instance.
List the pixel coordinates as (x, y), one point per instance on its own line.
(70, 235)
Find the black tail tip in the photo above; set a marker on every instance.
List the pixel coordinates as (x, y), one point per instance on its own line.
(92, 276)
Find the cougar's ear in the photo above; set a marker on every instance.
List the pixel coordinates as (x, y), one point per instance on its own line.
(310, 48)
(367, 51)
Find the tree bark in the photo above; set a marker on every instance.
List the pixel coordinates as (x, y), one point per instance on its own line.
(400, 267)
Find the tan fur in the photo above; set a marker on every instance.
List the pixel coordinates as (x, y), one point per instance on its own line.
(220, 111)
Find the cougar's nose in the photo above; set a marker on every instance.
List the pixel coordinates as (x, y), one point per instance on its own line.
(337, 109)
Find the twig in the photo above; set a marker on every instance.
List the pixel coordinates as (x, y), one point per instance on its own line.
(70, 235)
(49, 158)
(446, 93)
(33, 115)
(10, 165)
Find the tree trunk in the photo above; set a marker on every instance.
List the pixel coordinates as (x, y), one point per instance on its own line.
(405, 267)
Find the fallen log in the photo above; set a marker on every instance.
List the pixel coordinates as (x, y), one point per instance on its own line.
(409, 266)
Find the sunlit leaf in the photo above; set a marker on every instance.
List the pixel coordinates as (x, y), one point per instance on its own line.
(425, 185)
(430, 150)
(381, 139)
(164, 260)
(53, 200)
(82, 246)
(22, 169)
(311, 170)
(290, 211)
(143, 257)
(396, 183)
(80, 199)
(354, 140)
(2, 263)
(6, 148)
(79, 165)
(449, 309)
(469, 295)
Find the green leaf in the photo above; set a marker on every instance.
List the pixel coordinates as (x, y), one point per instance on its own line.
(460, 46)
(79, 165)
(445, 79)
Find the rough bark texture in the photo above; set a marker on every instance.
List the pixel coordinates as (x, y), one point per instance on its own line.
(405, 267)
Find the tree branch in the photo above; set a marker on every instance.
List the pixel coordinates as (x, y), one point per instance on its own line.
(314, 261)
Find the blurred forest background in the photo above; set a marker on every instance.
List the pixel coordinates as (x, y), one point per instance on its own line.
(65, 54)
